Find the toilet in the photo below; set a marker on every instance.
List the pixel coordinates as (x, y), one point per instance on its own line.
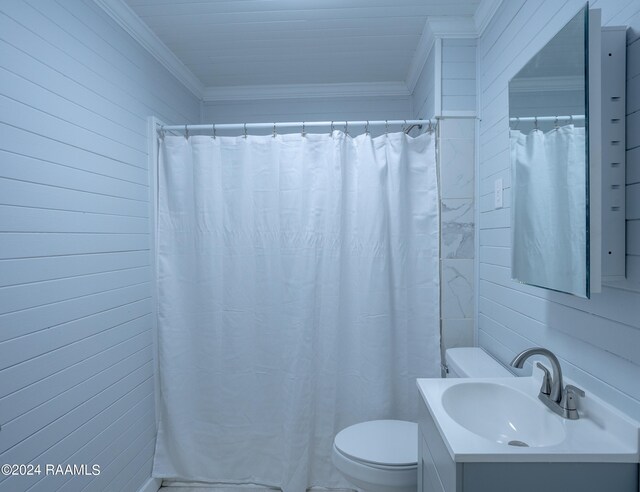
(382, 455)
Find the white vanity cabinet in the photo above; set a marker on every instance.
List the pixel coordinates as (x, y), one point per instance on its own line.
(438, 472)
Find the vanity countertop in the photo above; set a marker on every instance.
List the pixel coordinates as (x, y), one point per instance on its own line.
(602, 434)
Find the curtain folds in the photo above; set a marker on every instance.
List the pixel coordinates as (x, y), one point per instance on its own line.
(549, 208)
(298, 293)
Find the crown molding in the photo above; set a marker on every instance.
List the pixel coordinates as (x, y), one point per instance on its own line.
(420, 56)
(292, 91)
(126, 18)
(484, 13)
(462, 26)
(437, 27)
(449, 27)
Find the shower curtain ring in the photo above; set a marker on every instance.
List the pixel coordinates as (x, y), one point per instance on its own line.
(245, 130)
(366, 128)
(186, 132)
(274, 130)
(332, 128)
(346, 128)
(303, 129)
(386, 127)
(404, 128)
(213, 127)
(535, 122)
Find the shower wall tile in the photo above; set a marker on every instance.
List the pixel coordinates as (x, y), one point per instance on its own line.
(456, 167)
(455, 128)
(457, 240)
(457, 333)
(457, 289)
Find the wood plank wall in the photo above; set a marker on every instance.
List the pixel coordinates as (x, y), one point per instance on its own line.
(597, 340)
(423, 98)
(458, 75)
(457, 79)
(76, 367)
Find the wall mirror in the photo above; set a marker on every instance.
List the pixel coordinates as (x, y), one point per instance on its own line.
(550, 170)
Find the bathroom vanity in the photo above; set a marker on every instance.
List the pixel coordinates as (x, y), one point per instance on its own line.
(494, 435)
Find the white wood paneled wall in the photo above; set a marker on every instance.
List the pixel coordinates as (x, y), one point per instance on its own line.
(424, 94)
(458, 75)
(456, 90)
(597, 340)
(76, 366)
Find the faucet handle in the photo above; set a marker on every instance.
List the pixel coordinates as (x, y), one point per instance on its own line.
(570, 388)
(569, 394)
(568, 402)
(545, 389)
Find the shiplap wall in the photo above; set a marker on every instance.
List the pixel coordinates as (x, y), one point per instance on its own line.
(76, 368)
(596, 340)
(457, 79)
(308, 109)
(458, 75)
(423, 97)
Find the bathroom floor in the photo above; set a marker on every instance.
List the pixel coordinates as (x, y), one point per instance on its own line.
(204, 489)
(208, 488)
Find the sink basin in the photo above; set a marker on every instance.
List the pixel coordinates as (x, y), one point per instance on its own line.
(502, 414)
(499, 420)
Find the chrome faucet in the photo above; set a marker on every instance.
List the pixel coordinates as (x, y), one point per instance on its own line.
(560, 400)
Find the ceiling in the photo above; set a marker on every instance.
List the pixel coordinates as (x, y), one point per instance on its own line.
(231, 43)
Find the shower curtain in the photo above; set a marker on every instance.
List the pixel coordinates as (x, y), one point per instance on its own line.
(549, 208)
(298, 293)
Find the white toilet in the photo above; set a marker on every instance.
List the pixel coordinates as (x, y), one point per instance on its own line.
(382, 455)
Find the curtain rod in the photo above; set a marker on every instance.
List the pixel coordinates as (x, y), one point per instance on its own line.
(547, 118)
(292, 124)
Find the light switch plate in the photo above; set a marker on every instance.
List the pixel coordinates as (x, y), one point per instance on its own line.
(497, 193)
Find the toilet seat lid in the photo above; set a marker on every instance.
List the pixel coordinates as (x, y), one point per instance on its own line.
(380, 442)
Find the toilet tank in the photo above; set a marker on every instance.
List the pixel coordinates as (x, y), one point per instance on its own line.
(473, 362)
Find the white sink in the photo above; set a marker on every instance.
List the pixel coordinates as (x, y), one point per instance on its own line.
(502, 420)
(502, 414)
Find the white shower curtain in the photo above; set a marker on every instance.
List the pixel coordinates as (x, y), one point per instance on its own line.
(298, 294)
(549, 208)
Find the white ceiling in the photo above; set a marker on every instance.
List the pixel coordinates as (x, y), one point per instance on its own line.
(230, 43)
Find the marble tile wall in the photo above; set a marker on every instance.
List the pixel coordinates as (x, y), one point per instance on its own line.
(457, 154)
